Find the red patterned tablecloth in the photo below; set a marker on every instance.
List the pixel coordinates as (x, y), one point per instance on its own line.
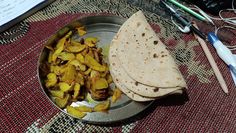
(25, 108)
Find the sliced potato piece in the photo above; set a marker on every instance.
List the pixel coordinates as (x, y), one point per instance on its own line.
(76, 91)
(51, 80)
(81, 31)
(92, 63)
(102, 107)
(99, 68)
(79, 79)
(74, 112)
(84, 109)
(76, 63)
(99, 83)
(75, 43)
(65, 56)
(109, 78)
(69, 74)
(60, 46)
(116, 95)
(62, 102)
(91, 41)
(58, 70)
(94, 74)
(57, 93)
(87, 72)
(59, 49)
(75, 48)
(80, 58)
(65, 87)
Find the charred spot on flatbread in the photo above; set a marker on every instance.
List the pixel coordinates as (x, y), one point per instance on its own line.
(156, 89)
(178, 78)
(138, 24)
(136, 83)
(155, 42)
(155, 55)
(143, 34)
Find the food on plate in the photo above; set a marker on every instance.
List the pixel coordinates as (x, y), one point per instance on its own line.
(99, 88)
(84, 109)
(51, 80)
(116, 95)
(62, 102)
(79, 80)
(102, 107)
(75, 112)
(76, 69)
(140, 64)
(57, 93)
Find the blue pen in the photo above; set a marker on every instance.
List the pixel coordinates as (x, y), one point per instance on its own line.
(224, 53)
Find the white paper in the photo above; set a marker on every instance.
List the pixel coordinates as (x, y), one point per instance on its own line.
(10, 9)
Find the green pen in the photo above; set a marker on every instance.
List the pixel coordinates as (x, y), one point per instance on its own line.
(198, 16)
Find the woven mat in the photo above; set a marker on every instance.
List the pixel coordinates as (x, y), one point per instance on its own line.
(25, 108)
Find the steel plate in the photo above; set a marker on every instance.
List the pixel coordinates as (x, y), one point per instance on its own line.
(104, 28)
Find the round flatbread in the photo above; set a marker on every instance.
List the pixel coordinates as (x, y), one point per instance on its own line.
(129, 93)
(144, 57)
(120, 75)
(117, 80)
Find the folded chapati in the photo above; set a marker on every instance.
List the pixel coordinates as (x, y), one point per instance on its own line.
(140, 62)
(118, 75)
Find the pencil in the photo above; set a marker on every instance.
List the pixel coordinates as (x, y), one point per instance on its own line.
(212, 63)
(198, 16)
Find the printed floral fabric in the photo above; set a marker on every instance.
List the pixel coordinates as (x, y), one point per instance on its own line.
(25, 108)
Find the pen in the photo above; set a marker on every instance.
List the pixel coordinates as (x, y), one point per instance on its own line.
(198, 16)
(222, 51)
(183, 21)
